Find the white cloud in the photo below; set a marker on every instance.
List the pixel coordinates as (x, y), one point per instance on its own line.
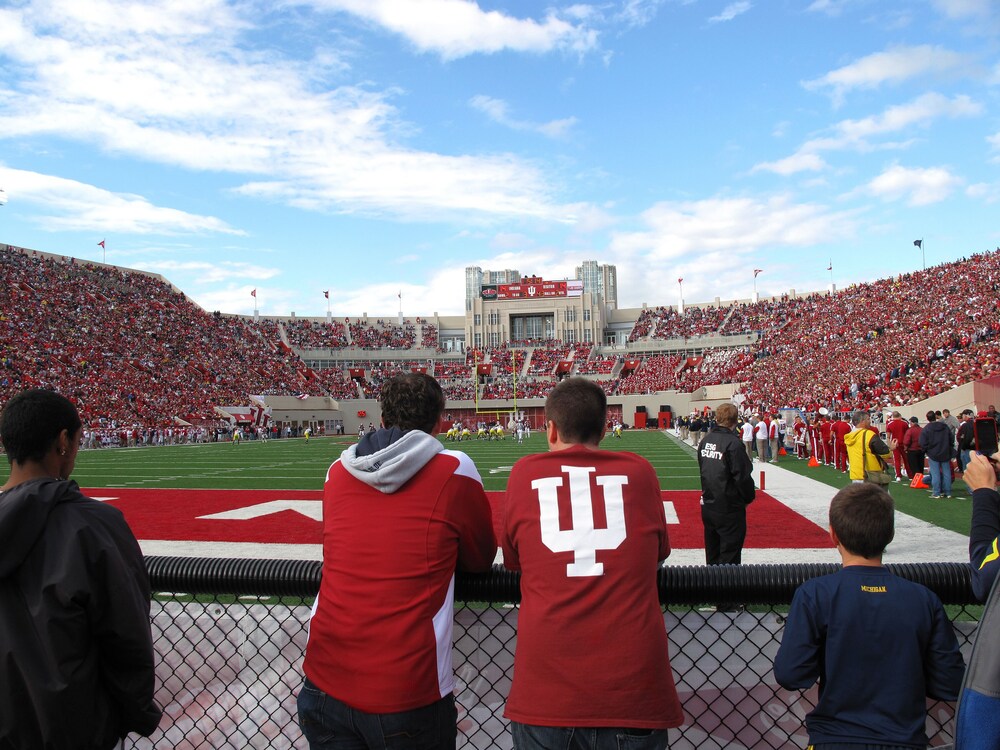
(201, 272)
(499, 111)
(731, 11)
(919, 187)
(963, 8)
(176, 86)
(677, 229)
(638, 12)
(797, 162)
(860, 134)
(81, 207)
(457, 28)
(994, 141)
(892, 66)
(987, 192)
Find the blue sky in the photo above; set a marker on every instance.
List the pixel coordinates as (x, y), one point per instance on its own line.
(372, 147)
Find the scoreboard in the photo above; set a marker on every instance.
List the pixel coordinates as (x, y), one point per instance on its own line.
(534, 289)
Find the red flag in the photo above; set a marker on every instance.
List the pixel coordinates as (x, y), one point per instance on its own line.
(757, 271)
(101, 243)
(680, 281)
(327, 294)
(254, 294)
(830, 267)
(400, 295)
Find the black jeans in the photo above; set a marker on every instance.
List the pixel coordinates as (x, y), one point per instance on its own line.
(330, 724)
(531, 737)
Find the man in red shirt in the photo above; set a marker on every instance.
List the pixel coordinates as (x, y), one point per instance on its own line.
(400, 514)
(586, 528)
(800, 431)
(825, 440)
(896, 429)
(838, 431)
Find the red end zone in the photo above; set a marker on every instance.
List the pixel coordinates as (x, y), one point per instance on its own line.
(293, 517)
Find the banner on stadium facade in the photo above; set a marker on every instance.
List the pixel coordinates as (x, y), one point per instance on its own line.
(488, 292)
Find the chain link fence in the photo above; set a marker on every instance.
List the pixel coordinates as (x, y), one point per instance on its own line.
(230, 636)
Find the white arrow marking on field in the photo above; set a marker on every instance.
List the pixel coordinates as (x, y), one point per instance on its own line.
(670, 512)
(309, 508)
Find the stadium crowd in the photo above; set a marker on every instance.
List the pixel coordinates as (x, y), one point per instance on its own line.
(131, 350)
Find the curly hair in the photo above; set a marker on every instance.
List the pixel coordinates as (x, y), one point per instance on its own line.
(412, 401)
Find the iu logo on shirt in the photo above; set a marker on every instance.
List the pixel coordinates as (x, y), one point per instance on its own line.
(582, 539)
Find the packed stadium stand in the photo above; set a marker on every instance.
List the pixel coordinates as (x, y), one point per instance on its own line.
(131, 349)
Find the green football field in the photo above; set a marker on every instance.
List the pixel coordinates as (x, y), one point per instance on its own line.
(298, 465)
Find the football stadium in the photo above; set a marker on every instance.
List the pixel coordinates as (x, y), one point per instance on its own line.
(213, 434)
(499, 375)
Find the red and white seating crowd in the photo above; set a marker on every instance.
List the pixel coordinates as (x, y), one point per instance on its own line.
(131, 350)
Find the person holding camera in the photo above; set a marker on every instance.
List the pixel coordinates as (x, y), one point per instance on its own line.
(975, 724)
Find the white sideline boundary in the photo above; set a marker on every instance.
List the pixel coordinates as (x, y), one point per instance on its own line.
(915, 540)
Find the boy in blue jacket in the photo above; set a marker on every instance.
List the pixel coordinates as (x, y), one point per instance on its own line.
(878, 644)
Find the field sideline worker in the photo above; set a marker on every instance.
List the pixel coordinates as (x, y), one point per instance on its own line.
(400, 514)
(75, 639)
(727, 489)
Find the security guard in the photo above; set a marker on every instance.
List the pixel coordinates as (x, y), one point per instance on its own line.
(726, 489)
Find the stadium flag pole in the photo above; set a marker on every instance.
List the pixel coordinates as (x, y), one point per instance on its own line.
(923, 257)
(329, 315)
(680, 295)
(513, 372)
(475, 372)
(104, 252)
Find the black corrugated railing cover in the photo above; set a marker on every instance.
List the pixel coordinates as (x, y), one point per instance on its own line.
(746, 584)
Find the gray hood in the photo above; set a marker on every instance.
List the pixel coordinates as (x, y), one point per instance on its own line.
(389, 468)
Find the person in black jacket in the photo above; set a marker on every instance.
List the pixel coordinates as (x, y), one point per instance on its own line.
(938, 442)
(726, 489)
(75, 641)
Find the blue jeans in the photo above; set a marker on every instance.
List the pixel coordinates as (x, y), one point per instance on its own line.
(531, 737)
(330, 724)
(940, 476)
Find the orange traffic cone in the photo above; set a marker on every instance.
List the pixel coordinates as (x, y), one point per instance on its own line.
(813, 461)
(918, 483)
(782, 451)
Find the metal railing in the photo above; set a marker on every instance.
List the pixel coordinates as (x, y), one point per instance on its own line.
(230, 636)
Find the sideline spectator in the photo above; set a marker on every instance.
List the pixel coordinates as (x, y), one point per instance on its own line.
(937, 441)
(896, 428)
(400, 514)
(852, 628)
(75, 639)
(727, 489)
(975, 723)
(865, 450)
(914, 453)
(625, 688)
